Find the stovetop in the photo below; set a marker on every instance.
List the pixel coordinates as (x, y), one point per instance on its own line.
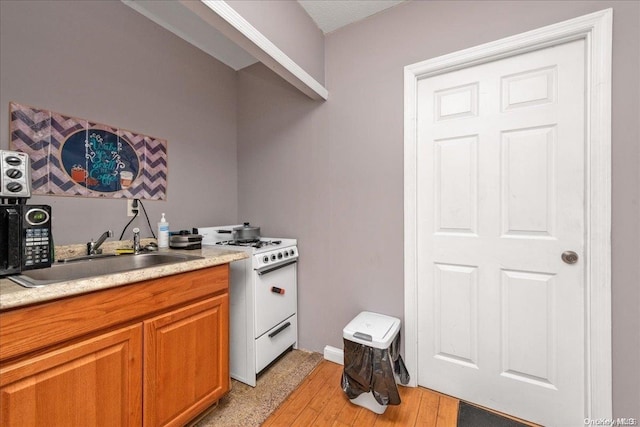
(253, 243)
(213, 236)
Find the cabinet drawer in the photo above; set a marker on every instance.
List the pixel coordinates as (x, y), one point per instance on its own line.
(275, 341)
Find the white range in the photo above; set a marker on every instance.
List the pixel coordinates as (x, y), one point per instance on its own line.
(263, 301)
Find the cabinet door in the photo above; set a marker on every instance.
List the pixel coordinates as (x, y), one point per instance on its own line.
(186, 361)
(95, 382)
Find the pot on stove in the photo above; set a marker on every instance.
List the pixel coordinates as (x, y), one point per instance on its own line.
(244, 233)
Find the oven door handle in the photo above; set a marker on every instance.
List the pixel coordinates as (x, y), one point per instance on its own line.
(280, 329)
(277, 267)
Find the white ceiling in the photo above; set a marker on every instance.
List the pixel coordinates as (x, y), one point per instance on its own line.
(329, 15)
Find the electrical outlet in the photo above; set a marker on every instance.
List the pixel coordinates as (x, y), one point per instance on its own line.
(130, 208)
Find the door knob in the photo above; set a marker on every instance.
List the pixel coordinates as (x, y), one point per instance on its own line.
(569, 257)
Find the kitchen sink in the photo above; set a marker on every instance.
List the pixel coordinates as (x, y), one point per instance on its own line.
(98, 266)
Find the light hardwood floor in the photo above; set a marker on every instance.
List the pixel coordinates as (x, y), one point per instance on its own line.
(319, 401)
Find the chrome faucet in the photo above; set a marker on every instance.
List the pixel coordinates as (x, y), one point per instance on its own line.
(93, 248)
(136, 240)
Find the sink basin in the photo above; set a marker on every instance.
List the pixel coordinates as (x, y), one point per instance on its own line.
(99, 266)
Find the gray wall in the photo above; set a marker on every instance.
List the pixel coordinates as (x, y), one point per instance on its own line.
(328, 173)
(290, 28)
(101, 60)
(331, 174)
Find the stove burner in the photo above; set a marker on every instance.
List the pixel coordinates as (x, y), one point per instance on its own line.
(250, 243)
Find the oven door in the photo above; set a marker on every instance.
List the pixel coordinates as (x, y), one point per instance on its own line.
(275, 295)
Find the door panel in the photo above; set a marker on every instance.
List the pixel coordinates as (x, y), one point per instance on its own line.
(529, 327)
(456, 175)
(529, 88)
(95, 382)
(528, 182)
(500, 184)
(186, 352)
(456, 310)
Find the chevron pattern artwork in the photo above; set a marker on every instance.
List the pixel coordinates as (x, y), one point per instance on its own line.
(77, 157)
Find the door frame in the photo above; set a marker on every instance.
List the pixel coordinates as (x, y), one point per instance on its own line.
(596, 30)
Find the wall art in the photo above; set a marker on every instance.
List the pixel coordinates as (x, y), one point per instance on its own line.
(77, 157)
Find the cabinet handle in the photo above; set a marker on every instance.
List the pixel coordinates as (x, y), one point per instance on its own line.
(280, 329)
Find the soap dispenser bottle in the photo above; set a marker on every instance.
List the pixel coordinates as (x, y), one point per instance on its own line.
(163, 233)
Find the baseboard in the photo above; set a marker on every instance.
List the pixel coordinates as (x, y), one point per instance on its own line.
(334, 354)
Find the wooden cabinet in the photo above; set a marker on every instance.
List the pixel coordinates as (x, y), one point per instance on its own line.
(99, 359)
(96, 382)
(186, 357)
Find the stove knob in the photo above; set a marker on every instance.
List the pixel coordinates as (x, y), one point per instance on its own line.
(265, 259)
(286, 254)
(292, 252)
(279, 255)
(273, 257)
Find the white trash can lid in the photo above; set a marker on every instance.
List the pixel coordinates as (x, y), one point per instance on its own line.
(372, 329)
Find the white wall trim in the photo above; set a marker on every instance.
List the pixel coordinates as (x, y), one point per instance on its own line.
(334, 354)
(252, 40)
(596, 30)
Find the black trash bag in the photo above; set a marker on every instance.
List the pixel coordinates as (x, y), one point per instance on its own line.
(398, 364)
(372, 369)
(383, 384)
(358, 364)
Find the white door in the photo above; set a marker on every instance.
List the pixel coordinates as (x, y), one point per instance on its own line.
(500, 197)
